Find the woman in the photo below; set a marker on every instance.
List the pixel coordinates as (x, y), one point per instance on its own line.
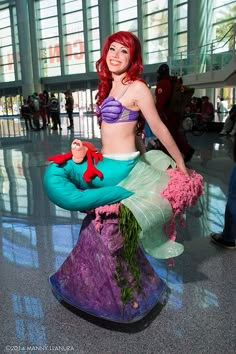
(106, 273)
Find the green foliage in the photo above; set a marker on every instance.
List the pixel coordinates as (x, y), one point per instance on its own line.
(227, 22)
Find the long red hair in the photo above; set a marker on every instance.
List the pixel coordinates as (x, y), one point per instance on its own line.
(129, 40)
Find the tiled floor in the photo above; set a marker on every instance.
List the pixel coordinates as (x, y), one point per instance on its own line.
(36, 236)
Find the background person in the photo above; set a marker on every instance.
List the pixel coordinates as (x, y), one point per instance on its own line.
(55, 112)
(170, 105)
(48, 114)
(26, 114)
(207, 109)
(230, 123)
(69, 105)
(222, 110)
(227, 238)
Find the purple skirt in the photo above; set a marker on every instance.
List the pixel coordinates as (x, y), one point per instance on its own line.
(86, 278)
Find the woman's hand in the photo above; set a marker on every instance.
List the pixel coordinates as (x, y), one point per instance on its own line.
(182, 168)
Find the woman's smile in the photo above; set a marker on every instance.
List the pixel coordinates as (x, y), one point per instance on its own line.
(118, 58)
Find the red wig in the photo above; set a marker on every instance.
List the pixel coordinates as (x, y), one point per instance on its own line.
(129, 40)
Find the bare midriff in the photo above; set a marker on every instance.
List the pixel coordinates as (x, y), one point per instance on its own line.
(118, 138)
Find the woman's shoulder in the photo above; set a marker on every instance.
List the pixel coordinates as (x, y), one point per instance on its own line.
(141, 89)
(139, 86)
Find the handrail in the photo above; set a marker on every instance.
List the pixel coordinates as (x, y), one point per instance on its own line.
(209, 57)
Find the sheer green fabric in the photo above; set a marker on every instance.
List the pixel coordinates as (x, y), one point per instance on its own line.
(146, 180)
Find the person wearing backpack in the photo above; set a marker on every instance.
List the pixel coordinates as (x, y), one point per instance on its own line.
(55, 112)
(170, 102)
(25, 113)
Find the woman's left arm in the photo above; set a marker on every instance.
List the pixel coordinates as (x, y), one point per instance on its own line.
(145, 102)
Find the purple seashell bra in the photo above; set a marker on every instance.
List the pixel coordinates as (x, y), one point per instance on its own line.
(112, 111)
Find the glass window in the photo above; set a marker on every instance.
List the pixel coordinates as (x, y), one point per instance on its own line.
(49, 32)
(123, 4)
(47, 12)
(72, 5)
(93, 34)
(49, 26)
(52, 70)
(181, 42)
(94, 22)
(224, 18)
(156, 19)
(73, 17)
(93, 2)
(153, 5)
(6, 53)
(73, 36)
(47, 3)
(126, 15)
(6, 50)
(17, 47)
(180, 25)
(4, 18)
(5, 40)
(94, 57)
(5, 32)
(155, 28)
(96, 44)
(6, 74)
(181, 10)
(74, 53)
(153, 32)
(77, 68)
(93, 13)
(156, 57)
(224, 10)
(73, 27)
(48, 37)
(131, 26)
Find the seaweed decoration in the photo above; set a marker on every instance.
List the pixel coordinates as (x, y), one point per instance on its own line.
(130, 231)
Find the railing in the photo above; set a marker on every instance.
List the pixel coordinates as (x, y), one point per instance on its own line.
(210, 57)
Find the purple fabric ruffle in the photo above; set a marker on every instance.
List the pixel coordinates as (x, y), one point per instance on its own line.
(86, 278)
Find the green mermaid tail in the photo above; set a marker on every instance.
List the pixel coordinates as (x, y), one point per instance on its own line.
(146, 180)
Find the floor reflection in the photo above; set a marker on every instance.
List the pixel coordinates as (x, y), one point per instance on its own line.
(36, 237)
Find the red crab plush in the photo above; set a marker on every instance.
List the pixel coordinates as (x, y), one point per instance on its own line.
(80, 150)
